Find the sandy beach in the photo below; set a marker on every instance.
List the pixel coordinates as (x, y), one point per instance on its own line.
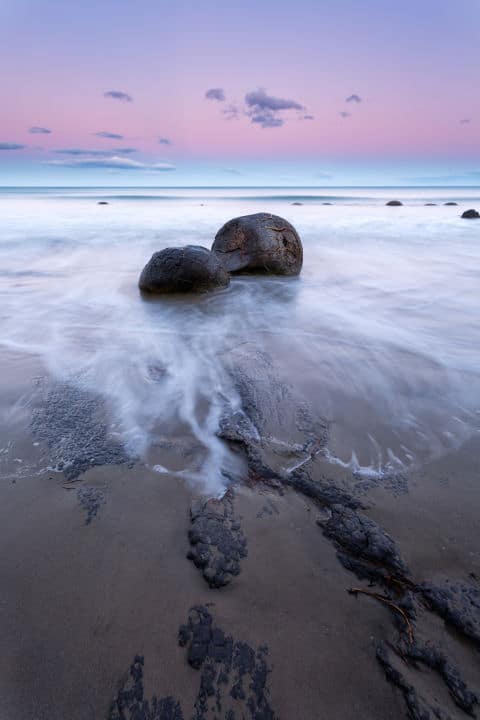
(304, 547)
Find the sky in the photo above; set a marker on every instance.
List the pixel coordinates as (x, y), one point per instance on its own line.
(222, 92)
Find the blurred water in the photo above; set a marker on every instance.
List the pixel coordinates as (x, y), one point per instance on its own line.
(381, 332)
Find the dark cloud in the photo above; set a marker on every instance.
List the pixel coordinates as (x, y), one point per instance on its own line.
(35, 130)
(109, 135)
(353, 98)
(309, 117)
(164, 141)
(124, 151)
(118, 95)
(344, 114)
(112, 162)
(267, 119)
(264, 109)
(465, 121)
(215, 94)
(79, 152)
(11, 146)
(259, 100)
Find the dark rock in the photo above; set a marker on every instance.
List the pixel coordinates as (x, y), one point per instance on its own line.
(394, 203)
(130, 703)
(232, 672)
(322, 491)
(102, 202)
(430, 656)
(260, 242)
(450, 203)
(327, 203)
(297, 203)
(181, 270)
(418, 708)
(471, 215)
(430, 204)
(217, 541)
(458, 604)
(72, 422)
(91, 499)
(363, 539)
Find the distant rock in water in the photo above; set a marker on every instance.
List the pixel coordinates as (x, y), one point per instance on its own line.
(182, 270)
(394, 203)
(102, 202)
(297, 203)
(471, 215)
(451, 203)
(259, 242)
(430, 204)
(325, 203)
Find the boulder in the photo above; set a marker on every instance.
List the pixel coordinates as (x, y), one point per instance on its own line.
(430, 204)
(451, 203)
(471, 215)
(297, 203)
(394, 203)
(259, 242)
(102, 202)
(180, 270)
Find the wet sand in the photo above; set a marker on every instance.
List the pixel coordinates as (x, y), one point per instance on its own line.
(81, 599)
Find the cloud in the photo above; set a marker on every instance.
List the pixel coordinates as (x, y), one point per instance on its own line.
(353, 98)
(323, 175)
(309, 117)
(263, 109)
(258, 99)
(231, 112)
(111, 163)
(344, 114)
(109, 135)
(267, 119)
(118, 95)
(35, 130)
(230, 171)
(124, 151)
(164, 141)
(11, 146)
(215, 94)
(465, 121)
(78, 152)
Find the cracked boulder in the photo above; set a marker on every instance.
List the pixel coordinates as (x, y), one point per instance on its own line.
(260, 243)
(183, 270)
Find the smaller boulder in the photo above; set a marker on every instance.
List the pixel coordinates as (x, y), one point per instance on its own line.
(327, 203)
(182, 270)
(450, 203)
(430, 204)
(471, 215)
(394, 203)
(297, 203)
(102, 202)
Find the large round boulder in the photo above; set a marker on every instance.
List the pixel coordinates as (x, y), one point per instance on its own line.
(394, 203)
(181, 270)
(471, 215)
(259, 242)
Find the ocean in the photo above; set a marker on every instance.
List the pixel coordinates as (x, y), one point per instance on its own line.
(380, 332)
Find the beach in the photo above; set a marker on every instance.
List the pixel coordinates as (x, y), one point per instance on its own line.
(296, 458)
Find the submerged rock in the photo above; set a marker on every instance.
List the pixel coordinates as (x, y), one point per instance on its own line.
(471, 215)
(180, 270)
(430, 204)
(260, 242)
(394, 203)
(450, 203)
(102, 202)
